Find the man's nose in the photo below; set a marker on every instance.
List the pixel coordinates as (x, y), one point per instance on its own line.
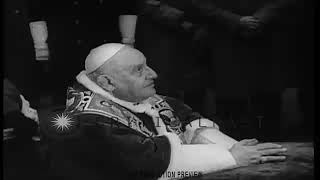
(151, 73)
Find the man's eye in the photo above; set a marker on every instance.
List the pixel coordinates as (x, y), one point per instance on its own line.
(140, 69)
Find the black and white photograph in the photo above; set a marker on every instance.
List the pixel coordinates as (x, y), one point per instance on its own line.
(159, 90)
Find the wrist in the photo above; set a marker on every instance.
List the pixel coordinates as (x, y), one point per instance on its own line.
(129, 41)
(40, 45)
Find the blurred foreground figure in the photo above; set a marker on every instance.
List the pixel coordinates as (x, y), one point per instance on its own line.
(116, 126)
(64, 32)
(21, 158)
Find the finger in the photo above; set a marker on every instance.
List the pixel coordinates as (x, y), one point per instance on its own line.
(22, 98)
(248, 141)
(273, 151)
(244, 141)
(24, 101)
(252, 142)
(267, 146)
(37, 119)
(252, 21)
(8, 130)
(253, 24)
(250, 18)
(252, 28)
(265, 159)
(256, 161)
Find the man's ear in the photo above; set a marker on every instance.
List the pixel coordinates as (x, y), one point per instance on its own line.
(106, 82)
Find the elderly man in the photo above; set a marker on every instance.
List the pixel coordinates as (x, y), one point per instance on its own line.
(115, 125)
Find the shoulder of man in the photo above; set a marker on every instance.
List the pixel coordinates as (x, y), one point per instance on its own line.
(86, 110)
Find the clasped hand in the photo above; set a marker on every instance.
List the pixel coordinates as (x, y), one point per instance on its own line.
(27, 111)
(250, 151)
(250, 26)
(249, 22)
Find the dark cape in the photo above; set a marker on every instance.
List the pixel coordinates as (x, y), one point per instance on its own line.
(106, 140)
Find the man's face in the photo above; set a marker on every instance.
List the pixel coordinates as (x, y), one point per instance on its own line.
(134, 80)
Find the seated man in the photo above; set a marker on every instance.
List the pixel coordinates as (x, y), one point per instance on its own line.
(115, 125)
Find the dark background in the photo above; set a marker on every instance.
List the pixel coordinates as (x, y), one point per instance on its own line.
(248, 76)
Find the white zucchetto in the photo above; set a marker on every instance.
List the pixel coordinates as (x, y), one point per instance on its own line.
(101, 54)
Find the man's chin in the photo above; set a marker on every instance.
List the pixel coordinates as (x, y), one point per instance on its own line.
(151, 92)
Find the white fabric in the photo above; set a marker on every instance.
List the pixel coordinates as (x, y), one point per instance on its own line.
(217, 137)
(101, 54)
(202, 158)
(39, 33)
(194, 125)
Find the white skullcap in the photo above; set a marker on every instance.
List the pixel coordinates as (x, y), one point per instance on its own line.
(101, 54)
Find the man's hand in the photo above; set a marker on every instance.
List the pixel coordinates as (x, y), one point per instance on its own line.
(249, 22)
(250, 26)
(27, 111)
(248, 152)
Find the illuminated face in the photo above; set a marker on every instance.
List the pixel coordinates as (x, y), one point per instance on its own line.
(134, 80)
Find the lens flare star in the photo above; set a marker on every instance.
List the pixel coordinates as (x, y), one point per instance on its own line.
(62, 122)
